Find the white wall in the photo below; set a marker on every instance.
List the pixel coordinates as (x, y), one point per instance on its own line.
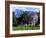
(2, 22)
(2, 18)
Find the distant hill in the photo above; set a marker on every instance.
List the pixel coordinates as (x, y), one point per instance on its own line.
(18, 12)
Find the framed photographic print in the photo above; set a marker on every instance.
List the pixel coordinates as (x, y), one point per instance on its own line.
(24, 18)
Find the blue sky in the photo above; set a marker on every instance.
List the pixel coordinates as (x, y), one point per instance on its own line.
(26, 9)
(17, 12)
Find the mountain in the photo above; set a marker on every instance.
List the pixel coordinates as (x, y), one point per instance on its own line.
(18, 12)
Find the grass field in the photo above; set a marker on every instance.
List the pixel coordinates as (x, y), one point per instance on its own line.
(26, 28)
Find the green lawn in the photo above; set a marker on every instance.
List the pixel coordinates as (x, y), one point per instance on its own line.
(26, 28)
